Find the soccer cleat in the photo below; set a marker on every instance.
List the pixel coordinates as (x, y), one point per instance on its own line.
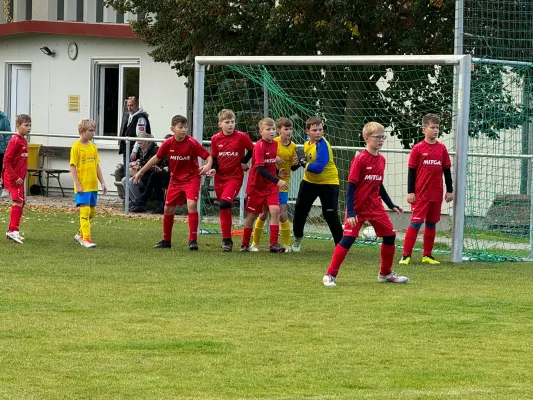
(227, 245)
(405, 260)
(245, 248)
(297, 245)
(87, 243)
(392, 278)
(193, 245)
(288, 249)
(254, 248)
(329, 280)
(276, 248)
(78, 238)
(430, 260)
(14, 236)
(163, 244)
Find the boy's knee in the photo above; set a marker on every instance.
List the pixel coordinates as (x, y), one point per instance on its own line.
(347, 241)
(415, 225)
(389, 240)
(224, 204)
(431, 225)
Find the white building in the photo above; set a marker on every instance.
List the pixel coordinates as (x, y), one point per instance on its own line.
(95, 63)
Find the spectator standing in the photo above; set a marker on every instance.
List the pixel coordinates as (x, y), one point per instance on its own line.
(136, 123)
(5, 126)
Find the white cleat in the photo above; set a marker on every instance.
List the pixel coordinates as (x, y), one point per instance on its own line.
(392, 278)
(87, 243)
(254, 248)
(78, 238)
(14, 236)
(329, 280)
(288, 249)
(297, 245)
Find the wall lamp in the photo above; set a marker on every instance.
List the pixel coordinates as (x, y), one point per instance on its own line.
(46, 50)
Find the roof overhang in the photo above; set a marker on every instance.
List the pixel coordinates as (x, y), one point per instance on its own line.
(97, 29)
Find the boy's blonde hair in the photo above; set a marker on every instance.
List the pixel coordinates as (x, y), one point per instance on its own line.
(266, 121)
(430, 119)
(372, 127)
(225, 114)
(22, 119)
(313, 121)
(85, 124)
(283, 122)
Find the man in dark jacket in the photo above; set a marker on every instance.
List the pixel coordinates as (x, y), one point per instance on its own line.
(5, 126)
(136, 124)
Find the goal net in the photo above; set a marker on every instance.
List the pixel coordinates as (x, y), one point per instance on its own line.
(396, 91)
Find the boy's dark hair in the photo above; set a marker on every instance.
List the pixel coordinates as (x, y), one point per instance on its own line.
(178, 119)
(430, 119)
(313, 121)
(283, 121)
(22, 119)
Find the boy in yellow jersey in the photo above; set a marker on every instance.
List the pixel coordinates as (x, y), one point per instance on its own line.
(86, 173)
(286, 161)
(321, 179)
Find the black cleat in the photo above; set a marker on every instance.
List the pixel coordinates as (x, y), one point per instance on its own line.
(193, 245)
(245, 248)
(227, 245)
(163, 244)
(276, 248)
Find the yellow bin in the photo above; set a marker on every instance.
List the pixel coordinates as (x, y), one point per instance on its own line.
(33, 162)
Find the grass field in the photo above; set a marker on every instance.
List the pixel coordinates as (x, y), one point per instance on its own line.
(126, 321)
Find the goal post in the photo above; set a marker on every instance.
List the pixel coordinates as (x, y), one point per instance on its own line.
(339, 66)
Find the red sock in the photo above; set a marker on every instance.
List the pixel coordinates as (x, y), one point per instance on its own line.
(193, 226)
(246, 235)
(339, 254)
(429, 240)
(387, 257)
(168, 222)
(14, 218)
(409, 241)
(274, 234)
(225, 223)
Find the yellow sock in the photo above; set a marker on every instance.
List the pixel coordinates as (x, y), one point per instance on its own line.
(92, 213)
(258, 230)
(285, 229)
(85, 224)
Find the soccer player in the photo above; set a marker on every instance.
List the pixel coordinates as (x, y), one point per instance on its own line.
(365, 195)
(228, 149)
(286, 161)
(14, 174)
(263, 186)
(321, 179)
(86, 173)
(182, 152)
(428, 161)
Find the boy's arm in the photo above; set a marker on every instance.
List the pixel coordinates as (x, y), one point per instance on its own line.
(267, 175)
(204, 169)
(411, 179)
(386, 198)
(9, 157)
(322, 158)
(101, 178)
(350, 197)
(153, 161)
(247, 157)
(449, 184)
(74, 174)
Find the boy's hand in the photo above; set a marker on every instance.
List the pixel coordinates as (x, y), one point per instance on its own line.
(211, 172)
(279, 160)
(79, 189)
(411, 198)
(133, 156)
(19, 181)
(137, 177)
(448, 197)
(204, 169)
(398, 210)
(245, 167)
(283, 174)
(283, 185)
(104, 188)
(295, 161)
(352, 221)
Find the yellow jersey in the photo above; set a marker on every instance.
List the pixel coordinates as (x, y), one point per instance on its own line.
(287, 154)
(85, 158)
(320, 167)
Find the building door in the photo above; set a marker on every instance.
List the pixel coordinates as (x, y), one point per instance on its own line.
(19, 92)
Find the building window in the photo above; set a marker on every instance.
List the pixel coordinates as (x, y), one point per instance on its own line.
(29, 10)
(99, 10)
(60, 10)
(114, 82)
(79, 10)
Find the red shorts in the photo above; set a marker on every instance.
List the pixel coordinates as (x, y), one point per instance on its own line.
(423, 210)
(16, 192)
(256, 201)
(227, 189)
(177, 193)
(381, 223)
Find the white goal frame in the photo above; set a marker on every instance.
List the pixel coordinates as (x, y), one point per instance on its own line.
(462, 64)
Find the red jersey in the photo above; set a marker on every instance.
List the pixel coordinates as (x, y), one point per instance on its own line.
(229, 151)
(15, 159)
(264, 156)
(367, 172)
(429, 160)
(182, 158)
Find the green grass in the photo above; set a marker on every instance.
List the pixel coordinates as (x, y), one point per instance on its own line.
(126, 321)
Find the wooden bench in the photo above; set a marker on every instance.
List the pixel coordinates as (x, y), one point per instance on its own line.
(54, 173)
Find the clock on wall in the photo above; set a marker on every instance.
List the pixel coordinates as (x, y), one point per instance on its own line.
(72, 50)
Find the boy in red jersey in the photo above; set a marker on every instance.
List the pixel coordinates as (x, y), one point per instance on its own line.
(365, 195)
(229, 161)
(263, 186)
(14, 174)
(182, 152)
(428, 161)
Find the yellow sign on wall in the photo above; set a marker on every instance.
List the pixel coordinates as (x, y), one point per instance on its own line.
(73, 103)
